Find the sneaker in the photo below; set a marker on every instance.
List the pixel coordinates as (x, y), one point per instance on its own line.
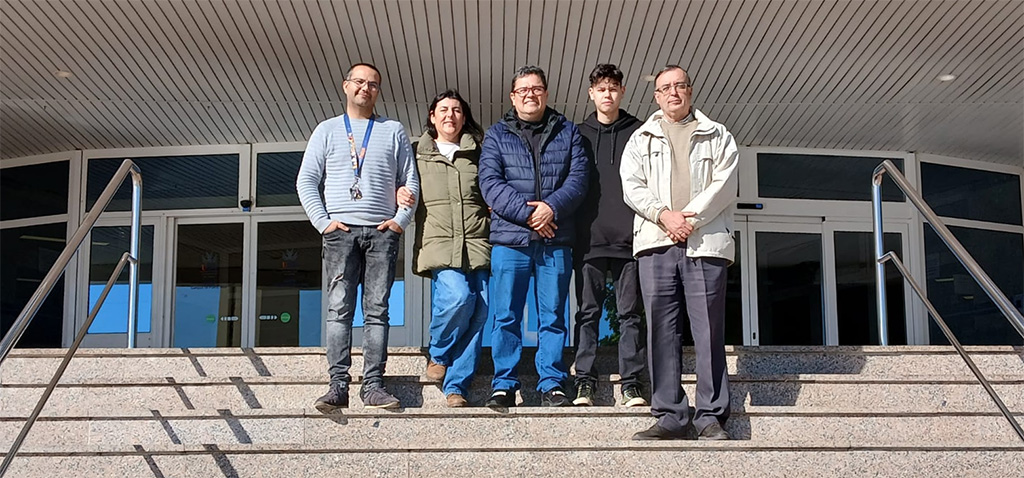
(631, 397)
(435, 371)
(713, 431)
(584, 394)
(335, 398)
(456, 400)
(378, 397)
(501, 399)
(658, 433)
(554, 398)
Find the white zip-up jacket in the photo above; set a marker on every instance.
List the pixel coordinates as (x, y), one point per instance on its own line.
(646, 172)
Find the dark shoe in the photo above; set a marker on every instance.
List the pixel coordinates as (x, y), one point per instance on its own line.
(631, 397)
(335, 398)
(456, 400)
(584, 394)
(378, 397)
(501, 400)
(658, 433)
(435, 371)
(554, 398)
(713, 431)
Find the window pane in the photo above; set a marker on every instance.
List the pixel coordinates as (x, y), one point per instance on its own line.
(26, 255)
(971, 193)
(275, 179)
(36, 190)
(172, 182)
(789, 297)
(970, 314)
(855, 288)
(208, 289)
(108, 244)
(288, 285)
(815, 176)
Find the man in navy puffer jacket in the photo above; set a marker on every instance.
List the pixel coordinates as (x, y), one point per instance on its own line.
(533, 175)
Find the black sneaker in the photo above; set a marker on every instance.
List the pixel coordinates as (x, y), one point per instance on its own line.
(501, 400)
(713, 431)
(584, 394)
(631, 396)
(335, 398)
(378, 397)
(658, 433)
(554, 398)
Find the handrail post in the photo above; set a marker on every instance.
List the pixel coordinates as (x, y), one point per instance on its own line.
(876, 215)
(133, 267)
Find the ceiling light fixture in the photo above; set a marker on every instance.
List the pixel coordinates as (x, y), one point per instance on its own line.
(62, 74)
(946, 77)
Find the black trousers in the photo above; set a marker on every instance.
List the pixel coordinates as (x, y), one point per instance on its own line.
(672, 281)
(591, 294)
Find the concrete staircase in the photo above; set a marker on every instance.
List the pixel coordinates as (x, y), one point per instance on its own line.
(797, 411)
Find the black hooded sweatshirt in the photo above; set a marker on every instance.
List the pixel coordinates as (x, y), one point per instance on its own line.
(605, 223)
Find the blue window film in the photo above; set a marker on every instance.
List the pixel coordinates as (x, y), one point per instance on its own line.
(196, 316)
(310, 317)
(113, 316)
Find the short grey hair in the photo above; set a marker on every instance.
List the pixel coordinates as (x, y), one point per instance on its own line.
(528, 70)
(669, 68)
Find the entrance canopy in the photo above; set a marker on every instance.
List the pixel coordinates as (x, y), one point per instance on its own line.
(943, 77)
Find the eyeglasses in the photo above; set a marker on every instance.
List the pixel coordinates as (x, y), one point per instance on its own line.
(522, 92)
(370, 85)
(665, 89)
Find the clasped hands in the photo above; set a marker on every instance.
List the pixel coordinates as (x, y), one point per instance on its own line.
(675, 224)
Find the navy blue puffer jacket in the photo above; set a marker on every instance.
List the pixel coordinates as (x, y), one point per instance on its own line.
(508, 179)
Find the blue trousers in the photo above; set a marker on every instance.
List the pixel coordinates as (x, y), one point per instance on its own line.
(459, 311)
(511, 270)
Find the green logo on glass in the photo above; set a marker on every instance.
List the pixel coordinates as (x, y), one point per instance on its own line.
(211, 318)
(286, 317)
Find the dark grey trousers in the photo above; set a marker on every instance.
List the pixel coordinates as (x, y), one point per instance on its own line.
(591, 294)
(671, 281)
(362, 256)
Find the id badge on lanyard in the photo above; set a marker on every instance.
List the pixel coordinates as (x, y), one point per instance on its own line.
(357, 156)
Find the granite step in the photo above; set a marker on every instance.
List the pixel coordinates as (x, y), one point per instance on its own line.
(834, 393)
(736, 458)
(531, 427)
(38, 365)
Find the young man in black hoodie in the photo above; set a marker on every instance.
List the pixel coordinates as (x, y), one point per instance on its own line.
(605, 244)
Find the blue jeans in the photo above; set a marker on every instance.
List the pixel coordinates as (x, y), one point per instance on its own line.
(459, 309)
(368, 256)
(511, 269)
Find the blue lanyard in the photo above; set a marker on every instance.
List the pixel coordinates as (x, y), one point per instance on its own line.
(357, 158)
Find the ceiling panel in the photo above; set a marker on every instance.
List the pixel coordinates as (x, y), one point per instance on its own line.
(801, 73)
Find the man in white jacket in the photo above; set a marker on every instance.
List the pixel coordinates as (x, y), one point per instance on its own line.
(679, 175)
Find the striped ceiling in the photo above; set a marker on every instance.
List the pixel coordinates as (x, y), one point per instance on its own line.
(800, 73)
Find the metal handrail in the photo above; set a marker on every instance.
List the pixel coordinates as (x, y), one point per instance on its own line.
(965, 258)
(35, 302)
(9, 458)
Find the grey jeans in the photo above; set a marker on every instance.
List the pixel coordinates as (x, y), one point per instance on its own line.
(362, 256)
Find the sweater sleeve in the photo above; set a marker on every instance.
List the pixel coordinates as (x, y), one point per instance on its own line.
(311, 172)
(721, 192)
(407, 176)
(635, 191)
(503, 199)
(567, 198)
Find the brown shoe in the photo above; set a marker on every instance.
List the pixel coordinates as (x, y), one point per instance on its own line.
(435, 371)
(457, 401)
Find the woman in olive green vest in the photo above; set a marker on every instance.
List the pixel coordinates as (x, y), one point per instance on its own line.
(451, 241)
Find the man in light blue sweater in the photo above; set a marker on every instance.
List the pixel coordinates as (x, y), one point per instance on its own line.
(362, 159)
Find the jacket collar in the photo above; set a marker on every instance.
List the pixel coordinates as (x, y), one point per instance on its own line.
(653, 124)
(427, 147)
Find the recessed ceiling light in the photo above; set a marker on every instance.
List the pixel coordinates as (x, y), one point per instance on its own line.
(62, 74)
(946, 77)
(649, 78)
